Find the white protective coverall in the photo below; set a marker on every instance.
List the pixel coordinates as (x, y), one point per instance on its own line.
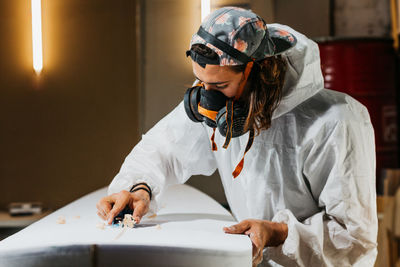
(313, 169)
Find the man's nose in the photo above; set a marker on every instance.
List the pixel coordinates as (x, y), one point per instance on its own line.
(206, 86)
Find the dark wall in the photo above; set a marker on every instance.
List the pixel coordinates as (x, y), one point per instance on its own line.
(66, 132)
(309, 17)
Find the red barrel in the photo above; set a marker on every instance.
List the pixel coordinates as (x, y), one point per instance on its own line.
(365, 69)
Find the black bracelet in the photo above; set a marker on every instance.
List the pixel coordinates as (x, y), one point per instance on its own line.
(148, 189)
(146, 185)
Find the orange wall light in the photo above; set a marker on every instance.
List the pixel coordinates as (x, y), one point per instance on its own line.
(37, 35)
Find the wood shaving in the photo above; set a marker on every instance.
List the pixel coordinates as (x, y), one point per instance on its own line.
(100, 225)
(77, 217)
(61, 220)
(152, 216)
(158, 227)
(120, 233)
(128, 221)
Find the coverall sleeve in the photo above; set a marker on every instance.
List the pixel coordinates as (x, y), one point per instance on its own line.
(340, 167)
(169, 153)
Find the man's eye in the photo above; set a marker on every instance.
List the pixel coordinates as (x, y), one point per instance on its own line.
(221, 86)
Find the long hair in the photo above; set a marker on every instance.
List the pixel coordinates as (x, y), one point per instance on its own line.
(263, 91)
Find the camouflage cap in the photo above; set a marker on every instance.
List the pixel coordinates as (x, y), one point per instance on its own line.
(238, 36)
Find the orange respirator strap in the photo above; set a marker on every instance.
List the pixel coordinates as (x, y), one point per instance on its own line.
(212, 115)
(213, 144)
(239, 167)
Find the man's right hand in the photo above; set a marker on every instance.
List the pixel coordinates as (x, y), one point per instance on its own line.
(108, 207)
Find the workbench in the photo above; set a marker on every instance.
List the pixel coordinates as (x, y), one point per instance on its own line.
(186, 231)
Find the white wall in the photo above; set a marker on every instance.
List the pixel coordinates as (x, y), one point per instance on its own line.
(362, 18)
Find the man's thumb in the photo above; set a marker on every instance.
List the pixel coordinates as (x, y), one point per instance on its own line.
(239, 228)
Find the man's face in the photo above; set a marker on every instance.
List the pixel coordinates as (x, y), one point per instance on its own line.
(220, 78)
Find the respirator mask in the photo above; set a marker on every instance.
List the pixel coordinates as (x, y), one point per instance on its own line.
(212, 107)
(238, 37)
(216, 110)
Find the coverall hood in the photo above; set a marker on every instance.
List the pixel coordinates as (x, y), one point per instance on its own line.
(303, 75)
